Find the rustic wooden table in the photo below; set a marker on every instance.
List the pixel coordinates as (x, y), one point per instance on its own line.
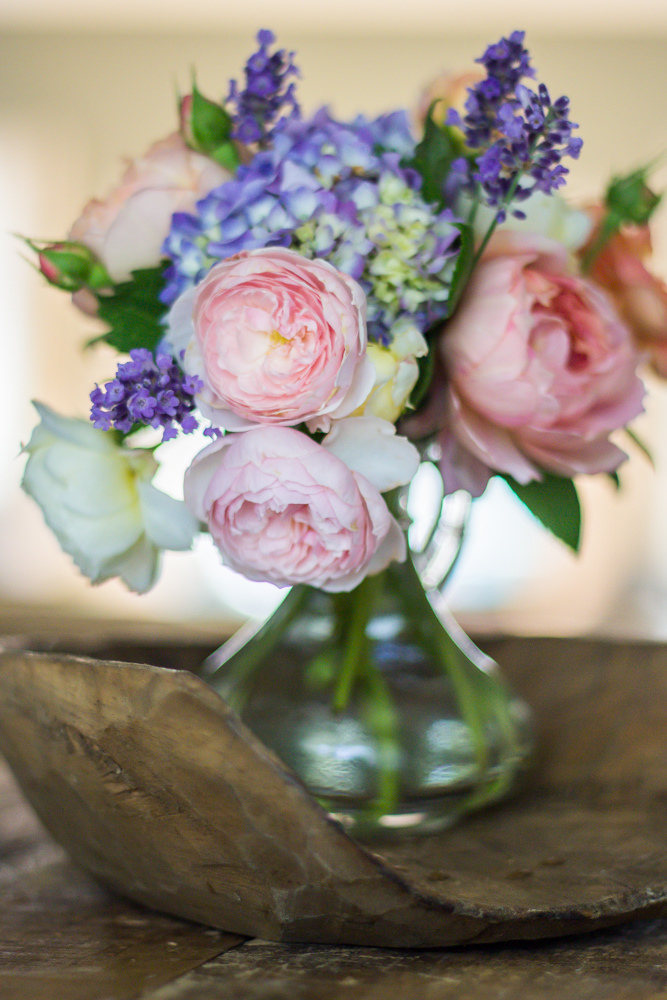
(63, 937)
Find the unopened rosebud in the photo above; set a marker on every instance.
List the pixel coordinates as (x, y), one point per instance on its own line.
(185, 120)
(206, 127)
(630, 199)
(70, 266)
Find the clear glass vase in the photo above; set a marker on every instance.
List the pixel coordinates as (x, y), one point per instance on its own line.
(388, 713)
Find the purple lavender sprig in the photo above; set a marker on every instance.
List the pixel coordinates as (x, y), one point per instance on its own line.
(267, 97)
(519, 135)
(147, 390)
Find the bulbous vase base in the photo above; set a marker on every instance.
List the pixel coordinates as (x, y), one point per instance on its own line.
(392, 718)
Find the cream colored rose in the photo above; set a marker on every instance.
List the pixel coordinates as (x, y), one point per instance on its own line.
(547, 215)
(396, 372)
(97, 498)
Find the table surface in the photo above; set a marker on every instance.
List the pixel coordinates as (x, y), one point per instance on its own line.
(63, 937)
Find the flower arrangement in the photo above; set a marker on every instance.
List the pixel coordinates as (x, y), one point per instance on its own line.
(326, 299)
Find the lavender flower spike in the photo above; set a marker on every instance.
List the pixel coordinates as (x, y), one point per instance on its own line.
(146, 390)
(518, 134)
(267, 95)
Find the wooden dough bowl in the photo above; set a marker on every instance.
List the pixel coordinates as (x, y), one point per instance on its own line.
(154, 786)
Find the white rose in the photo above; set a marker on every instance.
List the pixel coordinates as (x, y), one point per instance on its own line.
(97, 498)
(546, 214)
(370, 446)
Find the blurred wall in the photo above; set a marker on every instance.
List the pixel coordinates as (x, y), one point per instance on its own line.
(71, 105)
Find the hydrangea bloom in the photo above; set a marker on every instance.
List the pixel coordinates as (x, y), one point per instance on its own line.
(325, 190)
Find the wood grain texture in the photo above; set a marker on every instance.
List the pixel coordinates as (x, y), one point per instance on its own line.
(63, 936)
(24, 845)
(627, 964)
(156, 787)
(58, 942)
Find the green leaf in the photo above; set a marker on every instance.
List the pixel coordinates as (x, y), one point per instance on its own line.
(426, 367)
(554, 501)
(211, 126)
(630, 199)
(133, 312)
(464, 266)
(643, 447)
(439, 147)
(462, 272)
(227, 156)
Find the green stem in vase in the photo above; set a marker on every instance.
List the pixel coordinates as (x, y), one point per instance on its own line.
(353, 638)
(452, 661)
(467, 697)
(255, 646)
(391, 723)
(495, 705)
(382, 719)
(377, 703)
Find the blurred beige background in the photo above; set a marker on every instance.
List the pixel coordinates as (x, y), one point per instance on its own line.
(83, 86)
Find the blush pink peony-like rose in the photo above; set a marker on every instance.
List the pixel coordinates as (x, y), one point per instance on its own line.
(276, 338)
(448, 90)
(540, 370)
(127, 229)
(639, 296)
(282, 508)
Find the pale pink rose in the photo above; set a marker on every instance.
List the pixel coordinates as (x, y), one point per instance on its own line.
(450, 90)
(639, 296)
(275, 338)
(284, 509)
(127, 229)
(540, 370)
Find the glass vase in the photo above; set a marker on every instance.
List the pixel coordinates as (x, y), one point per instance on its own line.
(383, 707)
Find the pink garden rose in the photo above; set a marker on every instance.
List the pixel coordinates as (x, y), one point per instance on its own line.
(276, 338)
(639, 296)
(284, 509)
(540, 370)
(449, 90)
(127, 229)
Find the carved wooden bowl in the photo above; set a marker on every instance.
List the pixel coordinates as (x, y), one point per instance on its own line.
(155, 787)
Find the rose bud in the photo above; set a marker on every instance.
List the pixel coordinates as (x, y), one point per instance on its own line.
(70, 266)
(630, 199)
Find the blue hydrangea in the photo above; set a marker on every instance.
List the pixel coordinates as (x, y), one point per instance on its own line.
(401, 250)
(336, 191)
